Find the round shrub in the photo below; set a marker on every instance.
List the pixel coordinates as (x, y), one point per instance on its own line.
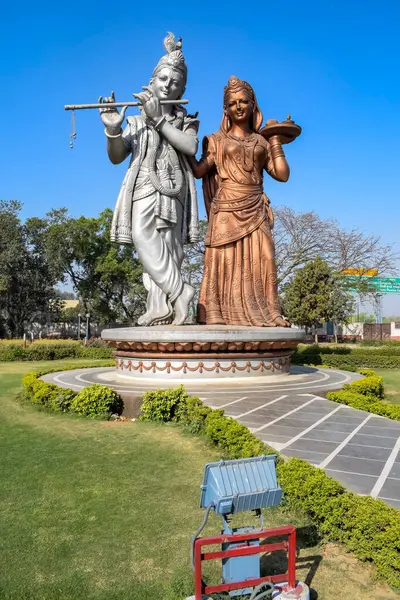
(97, 401)
(163, 405)
(369, 386)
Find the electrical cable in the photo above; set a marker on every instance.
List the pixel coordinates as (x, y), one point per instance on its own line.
(198, 532)
(264, 594)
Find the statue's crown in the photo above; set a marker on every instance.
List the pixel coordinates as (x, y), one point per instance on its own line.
(235, 84)
(174, 57)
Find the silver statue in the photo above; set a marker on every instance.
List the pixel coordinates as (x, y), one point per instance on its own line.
(156, 208)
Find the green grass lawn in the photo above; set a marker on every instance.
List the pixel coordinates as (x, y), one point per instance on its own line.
(391, 380)
(104, 511)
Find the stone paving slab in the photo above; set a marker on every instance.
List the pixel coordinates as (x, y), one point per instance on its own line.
(392, 502)
(374, 441)
(313, 457)
(395, 471)
(365, 452)
(361, 484)
(354, 447)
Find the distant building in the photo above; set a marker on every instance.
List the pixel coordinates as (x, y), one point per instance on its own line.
(70, 304)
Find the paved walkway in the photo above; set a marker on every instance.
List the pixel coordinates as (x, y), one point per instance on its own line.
(356, 448)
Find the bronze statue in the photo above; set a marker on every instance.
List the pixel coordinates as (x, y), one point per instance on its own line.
(240, 282)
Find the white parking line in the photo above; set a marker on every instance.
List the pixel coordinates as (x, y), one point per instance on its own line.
(332, 455)
(369, 435)
(349, 444)
(386, 470)
(228, 403)
(303, 433)
(284, 416)
(259, 407)
(393, 499)
(308, 451)
(362, 458)
(351, 473)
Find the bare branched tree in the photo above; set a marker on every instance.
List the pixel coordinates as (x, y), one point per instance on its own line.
(301, 237)
(354, 248)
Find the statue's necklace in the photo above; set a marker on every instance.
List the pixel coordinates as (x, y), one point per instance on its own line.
(247, 147)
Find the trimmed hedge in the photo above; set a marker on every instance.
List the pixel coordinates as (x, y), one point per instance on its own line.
(366, 394)
(233, 438)
(372, 385)
(94, 401)
(370, 404)
(358, 361)
(343, 357)
(11, 352)
(380, 343)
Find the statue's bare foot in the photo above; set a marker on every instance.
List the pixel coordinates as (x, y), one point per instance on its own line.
(162, 316)
(144, 319)
(152, 318)
(181, 306)
(281, 322)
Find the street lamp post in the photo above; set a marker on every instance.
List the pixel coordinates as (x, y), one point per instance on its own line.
(79, 326)
(87, 328)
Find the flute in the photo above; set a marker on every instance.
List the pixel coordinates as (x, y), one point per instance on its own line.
(117, 104)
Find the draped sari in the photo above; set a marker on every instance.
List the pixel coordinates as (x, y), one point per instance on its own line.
(240, 284)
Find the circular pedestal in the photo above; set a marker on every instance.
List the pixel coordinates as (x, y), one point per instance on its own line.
(202, 351)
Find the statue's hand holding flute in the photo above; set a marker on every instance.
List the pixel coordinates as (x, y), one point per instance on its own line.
(113, 119)
(110, 116)
(151, 104)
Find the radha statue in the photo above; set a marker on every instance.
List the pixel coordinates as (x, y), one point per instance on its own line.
(240, 281)
(156, 210)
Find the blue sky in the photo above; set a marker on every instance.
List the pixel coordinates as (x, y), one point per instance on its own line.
(334, 65)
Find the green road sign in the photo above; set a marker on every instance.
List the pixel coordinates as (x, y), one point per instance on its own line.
(382, 285)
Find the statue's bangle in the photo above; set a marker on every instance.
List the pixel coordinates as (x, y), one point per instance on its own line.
(109, 135)
(159, 122)
(275, 143)
(276, 151)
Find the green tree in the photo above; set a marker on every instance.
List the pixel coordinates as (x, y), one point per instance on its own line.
(106, 277)
(315, 295)
(27, 282)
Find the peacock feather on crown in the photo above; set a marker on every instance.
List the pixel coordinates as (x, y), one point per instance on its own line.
(174, 57)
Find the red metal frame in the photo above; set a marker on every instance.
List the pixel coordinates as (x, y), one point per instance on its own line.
(245, 550)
